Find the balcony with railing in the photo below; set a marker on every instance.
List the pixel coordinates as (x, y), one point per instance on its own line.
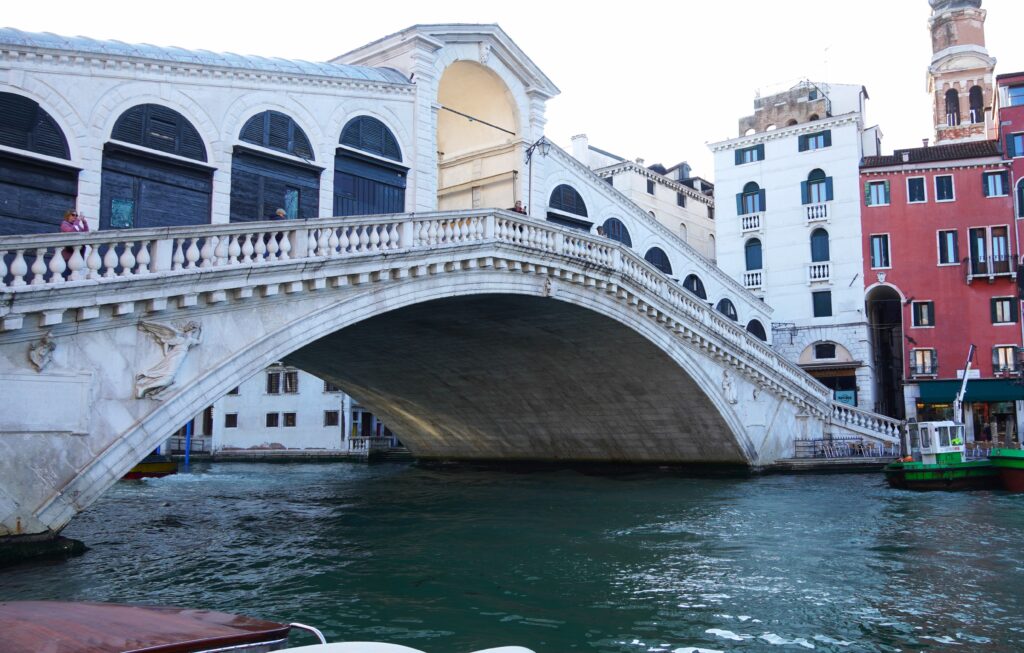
(817, 212)
(991, 268)
(819, 272)
(924, 367)
(750, 222)
(753, 279)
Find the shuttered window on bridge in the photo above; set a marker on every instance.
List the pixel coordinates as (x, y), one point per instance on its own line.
(143, 187)
(564, 205)
(34, 192)
(659, 259)
(261, 183)
(277, 131)
(365, 182)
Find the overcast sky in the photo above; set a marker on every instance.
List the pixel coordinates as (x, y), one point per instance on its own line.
(656, 80)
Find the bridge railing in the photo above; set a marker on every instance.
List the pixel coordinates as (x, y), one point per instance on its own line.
(864, 422)
(36, 262)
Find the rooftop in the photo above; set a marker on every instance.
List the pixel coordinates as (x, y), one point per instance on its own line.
(10, 37)
(951, 152)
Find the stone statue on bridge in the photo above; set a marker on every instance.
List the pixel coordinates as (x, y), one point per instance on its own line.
(175, 342)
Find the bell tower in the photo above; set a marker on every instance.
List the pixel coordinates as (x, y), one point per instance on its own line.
(960, 77)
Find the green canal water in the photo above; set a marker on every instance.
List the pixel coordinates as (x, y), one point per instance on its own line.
(453, 560)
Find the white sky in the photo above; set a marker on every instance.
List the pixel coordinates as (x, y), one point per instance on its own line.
(654, 79)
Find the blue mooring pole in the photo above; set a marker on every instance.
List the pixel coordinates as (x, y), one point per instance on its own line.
(188, 441)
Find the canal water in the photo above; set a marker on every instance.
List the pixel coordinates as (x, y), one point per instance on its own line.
(456, 559)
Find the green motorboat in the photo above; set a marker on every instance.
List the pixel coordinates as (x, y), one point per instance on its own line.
(937, 461)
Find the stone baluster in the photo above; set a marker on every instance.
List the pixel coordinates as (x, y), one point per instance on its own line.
(336, 241)
(272, 246)
(3, 267)
(320, 242)
(178, 258)
(110, 260)
(364, 240)
(94, 262)
(206, 253)
(39, 268)
(19, 268)
(247, 248)
(259, 249)
(490, 226)
(373, 237)
(143, 258)
(220, 252)
(192, 254)
(76, 263)
(285, 246)
(57, 265)
(127, 259)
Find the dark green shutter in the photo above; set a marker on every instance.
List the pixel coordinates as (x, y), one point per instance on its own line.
(739, 157)
(828, 137)
(984, 184)
(802, 143)
(828, 189)
(1009, 147)
(739, 203)
(867, 193)
(760, 152)
(992, 309)
(805, 193)
(888, 197)
(1013, 310)
(760, 195)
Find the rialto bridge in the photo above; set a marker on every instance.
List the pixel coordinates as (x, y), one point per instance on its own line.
(480, 335)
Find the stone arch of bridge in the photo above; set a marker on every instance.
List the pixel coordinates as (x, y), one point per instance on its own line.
(688, 394)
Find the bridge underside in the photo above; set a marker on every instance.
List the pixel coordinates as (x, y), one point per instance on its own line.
(500, 377)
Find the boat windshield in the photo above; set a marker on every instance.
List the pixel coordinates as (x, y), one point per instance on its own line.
(926, 438)
(943, 436)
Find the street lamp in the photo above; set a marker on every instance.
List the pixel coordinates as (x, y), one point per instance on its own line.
(544, 145)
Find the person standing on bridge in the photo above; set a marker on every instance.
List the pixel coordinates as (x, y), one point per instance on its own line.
(73, 223)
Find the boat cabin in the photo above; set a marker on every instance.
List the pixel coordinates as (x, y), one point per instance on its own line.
(936, 442)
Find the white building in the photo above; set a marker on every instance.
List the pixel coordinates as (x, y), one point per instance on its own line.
(792, 234)
(683, 203)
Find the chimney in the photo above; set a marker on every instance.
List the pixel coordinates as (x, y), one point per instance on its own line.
(906, 157)
(639, 161)
(581, 149)
(924, 142)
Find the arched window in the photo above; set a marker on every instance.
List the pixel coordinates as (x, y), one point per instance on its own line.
(144, 190)
(791, 122)
(712, 246)
(682, 231)
(368, 134)
(952, 107)
(695, 285)
(817, 189)
(752, 249)
(564, 203)
(977, 102)
(24, 125)
(1020, 198)
(160, 128)
(756, 329)
(751, 200)
(813, 117)
(726, 308)
(276, 131)
(614, 229)
(819, 246)
(659, 259)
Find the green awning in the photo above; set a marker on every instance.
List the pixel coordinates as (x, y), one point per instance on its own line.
(944, 392)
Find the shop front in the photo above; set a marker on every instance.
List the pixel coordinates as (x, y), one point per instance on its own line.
(993, 408)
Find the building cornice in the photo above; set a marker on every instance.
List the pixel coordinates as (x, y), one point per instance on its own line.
(962, 164)
(630, 166)
(786, 132)
(76, 62)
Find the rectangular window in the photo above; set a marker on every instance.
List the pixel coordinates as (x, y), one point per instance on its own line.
(949, 248)
(289, 419)
(815, 141)
(996, 184)
(680, 199)
(876, 193)
(1004, 310)
(944, 188)
(331, 417)
(1004, 358)
(1016, 96)
(231, 420)
(291, 382)
(990, 250)
(822, 303)
(711, 211)
(825, 350)
(272, 420)
(923, 361)
(880, 251)
(330, 387)
(750, 154)
(273, 383)
(233, 391)
(923, 313)
(1014, 145)
(916, 192)
(650, 187)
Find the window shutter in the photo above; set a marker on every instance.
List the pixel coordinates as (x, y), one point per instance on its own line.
(886, 196)
(992, 310)
(760, 195)
(828, 138)
(805, 195)
(867, 193)
(760, 152)
(828, 189)
(802, 143)
(1013, 310)
(984, 184)
(739, 203)
(1009, 147)
(739, 156)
